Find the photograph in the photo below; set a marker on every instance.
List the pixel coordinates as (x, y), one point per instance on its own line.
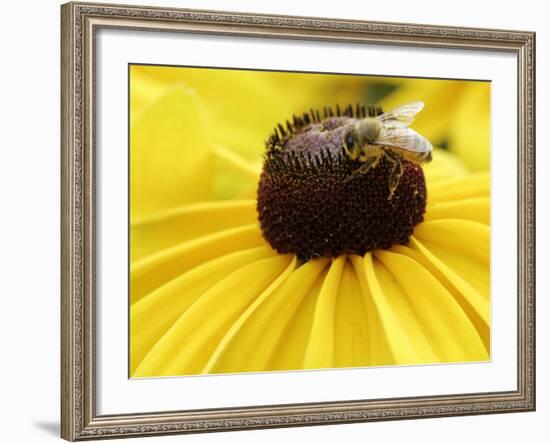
(289, 221)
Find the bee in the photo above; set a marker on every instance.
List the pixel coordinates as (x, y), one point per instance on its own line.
(387, 135)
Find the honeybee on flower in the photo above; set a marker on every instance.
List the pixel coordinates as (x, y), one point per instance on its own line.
(388, 135)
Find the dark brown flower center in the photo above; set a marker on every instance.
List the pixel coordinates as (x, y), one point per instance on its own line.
(309, 206)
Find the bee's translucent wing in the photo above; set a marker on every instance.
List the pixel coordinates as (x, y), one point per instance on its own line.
(404, 138)
(402, 116)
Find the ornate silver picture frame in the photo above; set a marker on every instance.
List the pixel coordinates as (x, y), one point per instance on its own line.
(80, 23)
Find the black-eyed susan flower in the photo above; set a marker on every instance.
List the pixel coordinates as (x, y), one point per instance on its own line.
(241, 262)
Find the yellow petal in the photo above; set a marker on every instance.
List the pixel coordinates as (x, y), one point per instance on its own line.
(473, 303)
(351, 340)
(187, 346)
(444, 165)
(235, 176)
(143, 93)
(169, 155)
(470, 135)
(463, 245)
(171, 227)
(460, 249)
(288, 354)
(251, 341)
(475, 209)
(379, 353)
(320, 348)
(232, 99)
(153, 315)
(406, 342)
(438, 316)
(154, 270)
(471, 186)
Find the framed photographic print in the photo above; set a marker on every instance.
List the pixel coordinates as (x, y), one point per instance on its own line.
(283, 221)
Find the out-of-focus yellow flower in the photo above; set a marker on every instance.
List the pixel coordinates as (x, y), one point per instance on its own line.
(225, 115)
(242, 104)
(456, 112)
(209, 295)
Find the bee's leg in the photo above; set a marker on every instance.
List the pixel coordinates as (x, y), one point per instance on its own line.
(378, 156)
(395, 177)
(396, 172)
(369, 163)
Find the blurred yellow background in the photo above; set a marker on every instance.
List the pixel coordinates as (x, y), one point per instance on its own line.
(216, 121)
